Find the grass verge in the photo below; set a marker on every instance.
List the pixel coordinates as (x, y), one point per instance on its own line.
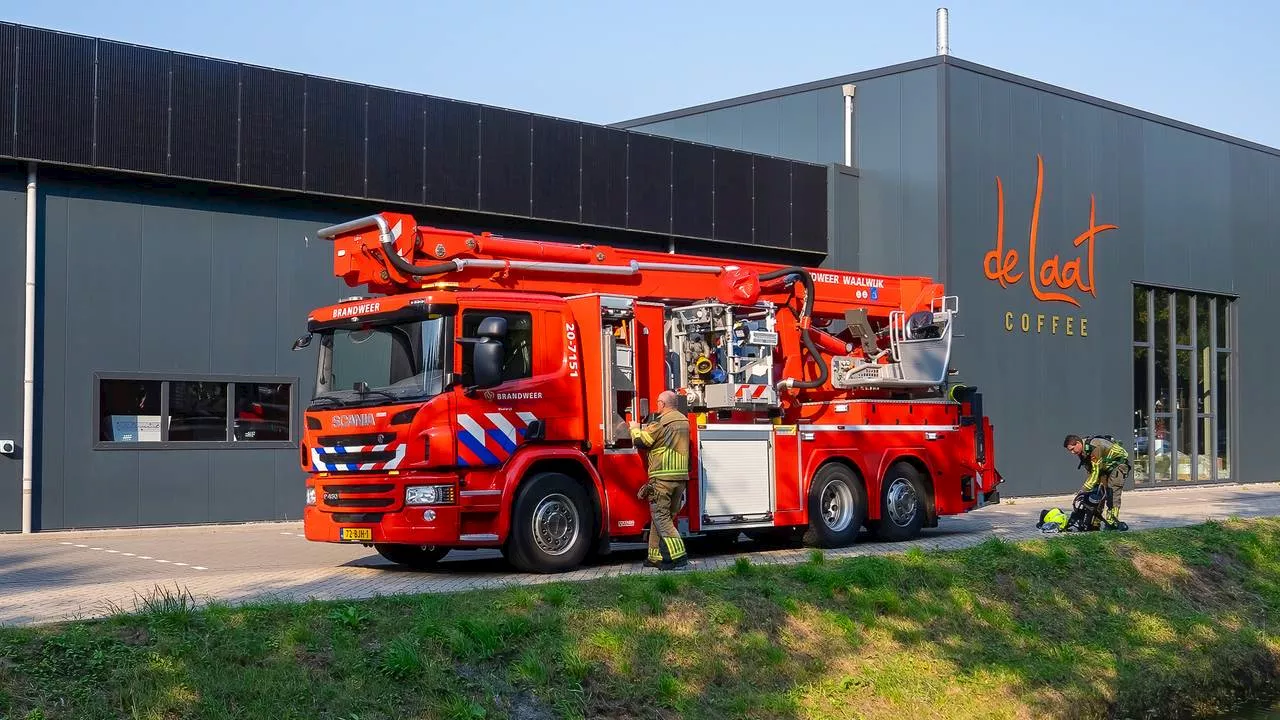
(1164, 623)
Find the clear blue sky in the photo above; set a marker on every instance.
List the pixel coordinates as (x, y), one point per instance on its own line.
(1207, 63)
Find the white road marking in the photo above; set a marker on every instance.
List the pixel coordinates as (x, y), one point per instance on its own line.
(141, 557)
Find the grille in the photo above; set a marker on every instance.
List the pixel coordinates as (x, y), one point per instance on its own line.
(361, 502)
(373, 496)
(362, 489)
(381, 438)
(350, 517)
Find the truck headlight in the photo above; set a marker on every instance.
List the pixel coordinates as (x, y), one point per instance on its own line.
(428, 495)
(311, 496)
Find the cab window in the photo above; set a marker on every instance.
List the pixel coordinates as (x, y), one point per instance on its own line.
(518, 363)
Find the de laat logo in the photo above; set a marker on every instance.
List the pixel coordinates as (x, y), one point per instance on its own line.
(1050, 279)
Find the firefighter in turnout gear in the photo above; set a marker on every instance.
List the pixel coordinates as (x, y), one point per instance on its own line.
(1109, 466)
(666, 437)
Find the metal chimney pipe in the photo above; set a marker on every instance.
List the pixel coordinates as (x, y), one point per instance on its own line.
(944, 47)
(848, 89)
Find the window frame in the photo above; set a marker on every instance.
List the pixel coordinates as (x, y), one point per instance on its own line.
(164, 379)
(1217, 355)
(463, 348)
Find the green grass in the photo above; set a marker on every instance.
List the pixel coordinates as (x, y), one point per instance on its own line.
(1166, 623)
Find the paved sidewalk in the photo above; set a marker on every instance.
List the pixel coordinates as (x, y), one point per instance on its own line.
(55, 576)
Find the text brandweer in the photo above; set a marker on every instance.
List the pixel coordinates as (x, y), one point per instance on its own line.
(361, 309)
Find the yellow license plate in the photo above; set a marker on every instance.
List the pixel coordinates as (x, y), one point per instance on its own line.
(356, 534)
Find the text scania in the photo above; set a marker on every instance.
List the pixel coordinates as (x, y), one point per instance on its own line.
(844, 279)
(352, 420)
(352, 310)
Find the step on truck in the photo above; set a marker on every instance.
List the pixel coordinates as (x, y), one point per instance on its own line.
(479, 397)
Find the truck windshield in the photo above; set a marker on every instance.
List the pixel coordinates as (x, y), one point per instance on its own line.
(381, 363)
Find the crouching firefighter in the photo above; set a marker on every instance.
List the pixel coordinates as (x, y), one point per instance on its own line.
(666, 437)
(1109, 467)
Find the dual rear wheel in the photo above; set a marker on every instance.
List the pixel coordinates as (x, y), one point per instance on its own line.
(838, 506)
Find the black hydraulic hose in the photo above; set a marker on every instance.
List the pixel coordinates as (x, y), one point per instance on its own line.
(417, 271)
(805, 314)
(387, 237)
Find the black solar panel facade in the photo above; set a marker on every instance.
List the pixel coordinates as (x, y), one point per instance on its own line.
(96, 103)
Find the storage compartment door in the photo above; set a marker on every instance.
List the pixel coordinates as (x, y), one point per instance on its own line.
(737, 475)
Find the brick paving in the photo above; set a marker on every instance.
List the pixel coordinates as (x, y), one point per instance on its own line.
(54, 576)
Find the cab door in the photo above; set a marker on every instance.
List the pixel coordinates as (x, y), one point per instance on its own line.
(492, 422)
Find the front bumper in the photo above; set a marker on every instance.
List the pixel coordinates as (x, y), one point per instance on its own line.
(408, 525)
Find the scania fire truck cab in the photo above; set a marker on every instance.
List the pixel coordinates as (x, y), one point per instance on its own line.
(480, 397)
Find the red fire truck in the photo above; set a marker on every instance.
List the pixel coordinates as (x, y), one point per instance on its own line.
(479, 398)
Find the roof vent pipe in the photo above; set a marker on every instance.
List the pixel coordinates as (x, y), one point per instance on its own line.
(848, 90)
(944, 47)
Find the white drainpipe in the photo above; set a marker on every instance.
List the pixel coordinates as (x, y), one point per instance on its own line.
(29, 361)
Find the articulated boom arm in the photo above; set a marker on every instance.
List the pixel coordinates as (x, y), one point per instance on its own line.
(897, 328)
(391, 254)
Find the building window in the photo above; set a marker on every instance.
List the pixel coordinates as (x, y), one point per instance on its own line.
(262, 411)
(139, 410)
(129, 410)
(197, 411)
(1182, 391)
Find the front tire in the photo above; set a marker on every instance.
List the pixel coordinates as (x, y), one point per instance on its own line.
(837, 507)
(902, 504)
(551, 525)
(418, 557)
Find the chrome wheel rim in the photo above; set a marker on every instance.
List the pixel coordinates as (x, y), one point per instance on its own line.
(555, 524)
(902, 503)
(836, 503)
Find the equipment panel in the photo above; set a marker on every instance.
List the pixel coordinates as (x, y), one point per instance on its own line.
(736, 471)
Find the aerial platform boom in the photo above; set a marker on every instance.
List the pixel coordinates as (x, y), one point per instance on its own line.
(896, 329)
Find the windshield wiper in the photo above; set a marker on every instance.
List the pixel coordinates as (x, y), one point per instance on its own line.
(363, 388)
(324, 400)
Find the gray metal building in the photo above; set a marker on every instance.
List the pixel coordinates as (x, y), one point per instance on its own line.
(1112, 265)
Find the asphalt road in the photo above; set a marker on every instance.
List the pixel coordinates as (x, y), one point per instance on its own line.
(59, 575)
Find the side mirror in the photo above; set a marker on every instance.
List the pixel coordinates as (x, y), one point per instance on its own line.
(493, 328)
(302, 342)
(644, 409)
(486, 360)
(487, 363)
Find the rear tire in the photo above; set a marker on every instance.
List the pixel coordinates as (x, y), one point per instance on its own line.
(903, 504)
(418, 557)
(552, 524)
(837, 507)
